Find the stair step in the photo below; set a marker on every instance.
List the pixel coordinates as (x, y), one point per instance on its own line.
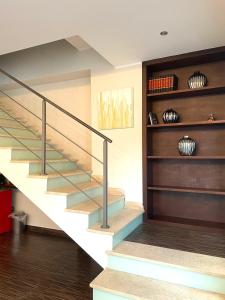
(189, 269)
(3, 114)
(13, 126)
(195, 262)
(56, 180)
(89, 207)
(118, 222)
(20, 137)
(22, 148)
(34, 161)
(34, 155)
(94, 208)
(68, 190)
(56, 175)
(8, 141)
(17, 132)
(9, 122)
(116, 285)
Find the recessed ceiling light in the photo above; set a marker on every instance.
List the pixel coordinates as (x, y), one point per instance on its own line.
(163, 33)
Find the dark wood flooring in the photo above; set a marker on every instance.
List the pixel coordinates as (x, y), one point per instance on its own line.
(43, 267)
(191, 239)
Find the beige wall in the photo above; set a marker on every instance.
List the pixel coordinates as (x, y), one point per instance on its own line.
(60, 59)
(125, 153)
(73, 96)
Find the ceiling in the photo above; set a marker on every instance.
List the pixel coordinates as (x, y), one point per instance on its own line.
(122, 31)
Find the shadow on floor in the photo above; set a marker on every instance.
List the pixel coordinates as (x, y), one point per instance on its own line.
(47, 267)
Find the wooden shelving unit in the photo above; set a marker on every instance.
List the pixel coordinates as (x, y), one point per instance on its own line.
(202, 123)
(188, 157)
(187, 188)
(210, 90)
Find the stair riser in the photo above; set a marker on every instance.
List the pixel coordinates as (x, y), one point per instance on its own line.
(17, 132)
(11, 142)
(61, 182)
(113, 209)
(81, 197)
(59, 166)
(102, 295)
(3, 114)
(10, 122)
(121, 235)
(167, 273)
(25, 154)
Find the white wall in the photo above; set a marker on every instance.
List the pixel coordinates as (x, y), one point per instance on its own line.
(60, 58)
(35, 216)
(125, 153)
(75, 97)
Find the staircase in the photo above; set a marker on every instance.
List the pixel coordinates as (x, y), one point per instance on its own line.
(98, 219)
(76, 209)
(137, 271)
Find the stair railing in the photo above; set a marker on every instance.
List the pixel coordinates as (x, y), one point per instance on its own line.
(106, 140)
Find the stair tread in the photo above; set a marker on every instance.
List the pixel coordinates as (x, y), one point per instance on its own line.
(55, 175)
(23, 148)
(91, 206)
(21, 127)
(142, 288)
(39, 161)
(118, 222)
(14, 126)
(21, 137)
(7, 118)
(66, 190)
(200, 263)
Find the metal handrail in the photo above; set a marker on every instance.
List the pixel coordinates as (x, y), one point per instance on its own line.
(66, 137)
(54, 169)
(64, 156)
(43, 137)
(56, 106)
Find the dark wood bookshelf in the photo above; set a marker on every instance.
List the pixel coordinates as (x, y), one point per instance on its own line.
(190, 188)
(188, 157)
(185, 124)
(177, 94)
(187, 190)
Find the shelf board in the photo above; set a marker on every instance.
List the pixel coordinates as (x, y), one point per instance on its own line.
(187, 190)
(214, 157)
(208, 90)
(184, 124)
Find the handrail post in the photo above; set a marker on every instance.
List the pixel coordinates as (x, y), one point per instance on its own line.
(43, 139)
(105, 185)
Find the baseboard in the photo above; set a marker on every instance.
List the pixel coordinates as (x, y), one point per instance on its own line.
(47, 231)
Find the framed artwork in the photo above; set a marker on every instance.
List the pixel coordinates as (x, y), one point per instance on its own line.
(116, 109)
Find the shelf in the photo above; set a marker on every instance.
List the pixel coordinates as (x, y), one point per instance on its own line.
(199, 123)
(188, 93)
(187, 190)
(187, 157)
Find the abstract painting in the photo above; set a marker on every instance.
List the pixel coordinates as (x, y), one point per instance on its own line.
(116, 109)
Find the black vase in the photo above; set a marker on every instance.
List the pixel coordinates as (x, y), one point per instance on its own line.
(197, 80)
(186, 146)
(170, 116)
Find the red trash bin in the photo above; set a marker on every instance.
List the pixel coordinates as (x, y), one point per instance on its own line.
(5, 210)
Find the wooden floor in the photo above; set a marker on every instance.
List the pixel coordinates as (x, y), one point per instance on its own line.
(194, 239)
(43, 267)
